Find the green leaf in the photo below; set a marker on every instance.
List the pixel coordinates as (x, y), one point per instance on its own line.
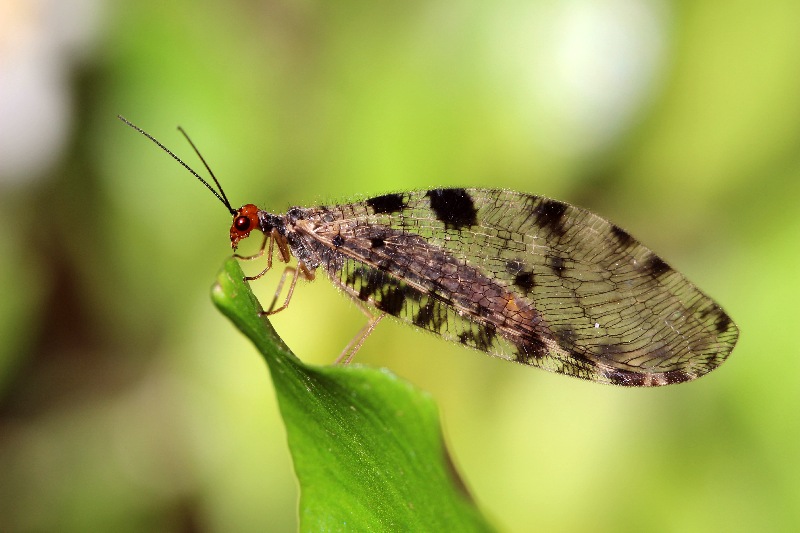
(366, 445)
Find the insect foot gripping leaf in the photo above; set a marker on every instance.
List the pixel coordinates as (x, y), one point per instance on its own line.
(367, 447)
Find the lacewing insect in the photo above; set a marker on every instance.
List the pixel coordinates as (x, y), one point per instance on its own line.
(526, 278)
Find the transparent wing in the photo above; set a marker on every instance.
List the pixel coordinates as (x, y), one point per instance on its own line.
(528, 279)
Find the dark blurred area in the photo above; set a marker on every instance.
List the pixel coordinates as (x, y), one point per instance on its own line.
(128, 404)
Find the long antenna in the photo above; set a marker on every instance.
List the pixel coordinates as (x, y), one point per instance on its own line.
(220, 195)
(222, 192)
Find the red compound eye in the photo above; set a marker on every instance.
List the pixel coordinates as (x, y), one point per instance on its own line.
(245, 220)
(242, 223)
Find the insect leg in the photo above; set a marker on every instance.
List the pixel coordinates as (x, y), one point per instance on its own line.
(304, 273)
(354, 345)
(286, 271)
(273, 236)
(258, 254)
(283, 245)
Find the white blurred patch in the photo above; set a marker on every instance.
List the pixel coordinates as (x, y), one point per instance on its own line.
(579, 70)
(40, 42)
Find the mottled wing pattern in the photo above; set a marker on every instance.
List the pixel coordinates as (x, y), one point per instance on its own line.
(422, 308)
(526, 278)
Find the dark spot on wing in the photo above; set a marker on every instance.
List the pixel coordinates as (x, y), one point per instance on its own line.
(566, 338)
(655, 266)
(424, 315)
(676, 376)
(487, 335)
(481, 338)
(723, 322)
(454, 207)
(556, 263)
(377, 242)
(368, 282)
(337, 241)
(429, 316)
(387, 294)
(524, 280)
(623, 237)
(391, 300)
(639, 379)
(514, 266)
(367, 289)
(529, 349)
(550, 214)
(352, 277)
(626, 379)
(388, 203)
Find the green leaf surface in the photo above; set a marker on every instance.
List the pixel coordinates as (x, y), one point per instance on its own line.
(367, 447)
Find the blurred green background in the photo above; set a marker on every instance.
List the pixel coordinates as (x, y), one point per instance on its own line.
(127, 403)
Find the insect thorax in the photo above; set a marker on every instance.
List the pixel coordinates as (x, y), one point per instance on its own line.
(289, 227)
